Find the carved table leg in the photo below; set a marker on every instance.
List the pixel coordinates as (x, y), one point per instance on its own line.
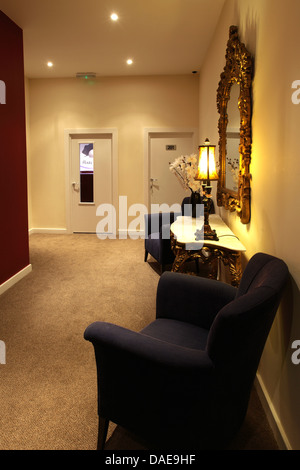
(208, 255)
(235, 269)
(233, 260)
(180, 253)
(213, 273)
(180, 258)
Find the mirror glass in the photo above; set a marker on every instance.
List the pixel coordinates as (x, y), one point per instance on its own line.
(233, 140)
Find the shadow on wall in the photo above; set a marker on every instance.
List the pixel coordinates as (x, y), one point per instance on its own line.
(247, 12)
(286, 324)
(289, 386)
(290, 310)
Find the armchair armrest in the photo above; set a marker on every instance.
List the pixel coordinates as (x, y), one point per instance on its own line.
(191, 299)
(127, 343)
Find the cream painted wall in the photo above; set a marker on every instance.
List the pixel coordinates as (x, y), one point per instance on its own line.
(128, 104)
(270, 30)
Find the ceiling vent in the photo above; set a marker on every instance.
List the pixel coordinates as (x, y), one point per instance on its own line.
(85, 75)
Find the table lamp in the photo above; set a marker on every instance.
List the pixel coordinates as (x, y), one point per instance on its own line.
(207, 172)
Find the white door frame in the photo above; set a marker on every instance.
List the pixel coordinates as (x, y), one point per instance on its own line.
(148, 134)
(78, 133)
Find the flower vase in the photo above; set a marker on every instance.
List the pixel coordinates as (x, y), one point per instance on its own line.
(195, 199)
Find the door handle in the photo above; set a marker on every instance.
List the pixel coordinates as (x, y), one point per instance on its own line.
(75, 186)
(152, 181)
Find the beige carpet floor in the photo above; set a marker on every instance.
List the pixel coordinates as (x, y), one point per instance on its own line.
(48, 384)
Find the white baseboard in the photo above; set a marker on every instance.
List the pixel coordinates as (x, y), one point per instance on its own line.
(122, 233)
(48, 230)
(14, 279)
(272, 417)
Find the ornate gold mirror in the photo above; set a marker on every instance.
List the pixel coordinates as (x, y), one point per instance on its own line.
(234, 106)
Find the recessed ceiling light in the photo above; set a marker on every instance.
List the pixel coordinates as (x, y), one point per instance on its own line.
(50, 64)
(129, 61)
(114, 16)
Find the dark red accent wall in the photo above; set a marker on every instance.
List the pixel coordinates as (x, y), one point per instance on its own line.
(14, 249)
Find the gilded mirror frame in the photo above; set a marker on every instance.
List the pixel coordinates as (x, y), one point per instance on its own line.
(238, 69)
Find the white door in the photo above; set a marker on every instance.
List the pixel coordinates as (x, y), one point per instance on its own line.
(164, 149)
(90, 181)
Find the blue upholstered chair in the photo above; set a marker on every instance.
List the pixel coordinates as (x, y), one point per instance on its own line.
(184, 381)
(157, 227)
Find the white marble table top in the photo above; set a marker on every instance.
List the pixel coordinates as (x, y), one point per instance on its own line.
(184, 229)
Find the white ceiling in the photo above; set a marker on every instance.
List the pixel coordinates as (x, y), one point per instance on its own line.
(161, 36)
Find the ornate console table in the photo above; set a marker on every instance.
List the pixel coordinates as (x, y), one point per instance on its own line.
(185, 246)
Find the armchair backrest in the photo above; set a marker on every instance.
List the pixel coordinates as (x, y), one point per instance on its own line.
(240, 329)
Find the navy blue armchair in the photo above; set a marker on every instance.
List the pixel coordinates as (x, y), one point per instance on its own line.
(157, 233)
(184, 381)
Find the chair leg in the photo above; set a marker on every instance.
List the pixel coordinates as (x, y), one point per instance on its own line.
(102, 432)
(146, 255)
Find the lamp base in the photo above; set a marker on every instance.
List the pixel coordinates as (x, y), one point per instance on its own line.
(208, 233)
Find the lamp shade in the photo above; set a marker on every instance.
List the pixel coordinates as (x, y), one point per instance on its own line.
(206, 162)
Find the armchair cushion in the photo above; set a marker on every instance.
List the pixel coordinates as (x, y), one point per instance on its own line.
(182, 334)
